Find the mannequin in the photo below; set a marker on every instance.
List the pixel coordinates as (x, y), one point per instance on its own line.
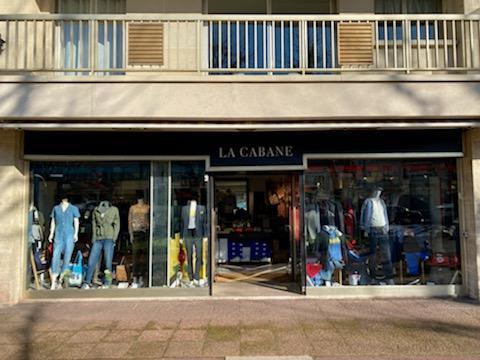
(139, 228)
(193, 231)
(374, 221)
(106, 227)
(64, 234)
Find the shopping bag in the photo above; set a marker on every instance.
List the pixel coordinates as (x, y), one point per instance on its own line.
(76, 271)
(121, 271)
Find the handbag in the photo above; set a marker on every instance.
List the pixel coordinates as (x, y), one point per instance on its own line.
(121, 271)
(76, 271)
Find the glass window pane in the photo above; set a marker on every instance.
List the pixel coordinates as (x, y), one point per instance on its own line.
(382, 222)
(189, 224)
(160, 173)
(302, 6)
(110, 203)
(237, 7)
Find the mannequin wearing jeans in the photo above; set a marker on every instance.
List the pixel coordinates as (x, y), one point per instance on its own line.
(106, 227)
(193, 232)
(374, 221)
(64, 229)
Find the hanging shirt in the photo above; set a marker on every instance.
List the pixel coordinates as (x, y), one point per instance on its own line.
(378, 214)
(191, 215)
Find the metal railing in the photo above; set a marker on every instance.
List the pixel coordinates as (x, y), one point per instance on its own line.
(218, 44)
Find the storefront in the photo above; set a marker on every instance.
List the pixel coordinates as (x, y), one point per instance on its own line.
(175, 214)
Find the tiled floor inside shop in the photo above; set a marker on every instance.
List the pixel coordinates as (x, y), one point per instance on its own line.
(215, 328)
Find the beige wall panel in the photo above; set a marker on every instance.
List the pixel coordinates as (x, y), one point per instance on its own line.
(26, 6)
(13, 208)
(471, 6)
(164, 6)
(356, 6)
(242, 100)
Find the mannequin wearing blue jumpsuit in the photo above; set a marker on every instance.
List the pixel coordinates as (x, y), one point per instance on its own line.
(64, 234)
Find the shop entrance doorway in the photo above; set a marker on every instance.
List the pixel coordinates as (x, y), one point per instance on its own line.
(257, 238)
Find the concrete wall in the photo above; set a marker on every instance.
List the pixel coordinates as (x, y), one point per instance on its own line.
(224, 98)
(471, 6)
(470, 212)
(26, 6)
(13, 207)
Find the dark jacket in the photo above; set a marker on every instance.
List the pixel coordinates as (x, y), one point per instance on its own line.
(201, 217)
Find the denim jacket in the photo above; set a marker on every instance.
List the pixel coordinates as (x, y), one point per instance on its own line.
(366, 215)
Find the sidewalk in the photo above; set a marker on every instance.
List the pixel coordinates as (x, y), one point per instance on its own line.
(215, 328)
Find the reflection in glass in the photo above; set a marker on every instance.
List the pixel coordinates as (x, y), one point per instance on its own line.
(382, 223)
(189, 224)
(110, 247)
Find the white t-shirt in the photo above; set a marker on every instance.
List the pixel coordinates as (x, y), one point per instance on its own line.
(378, 214)
(191, 215)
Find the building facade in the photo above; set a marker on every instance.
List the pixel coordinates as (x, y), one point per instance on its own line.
(179, 148)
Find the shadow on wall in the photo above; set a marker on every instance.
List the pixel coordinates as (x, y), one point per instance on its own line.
(46, 5)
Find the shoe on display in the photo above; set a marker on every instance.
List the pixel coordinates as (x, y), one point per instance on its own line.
(107, 279)
(53, 285)
(64, 279)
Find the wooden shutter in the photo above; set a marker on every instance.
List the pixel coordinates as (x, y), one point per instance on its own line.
(145, 44)
(355, 43)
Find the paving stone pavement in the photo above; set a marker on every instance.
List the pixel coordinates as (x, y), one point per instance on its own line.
(427, 329)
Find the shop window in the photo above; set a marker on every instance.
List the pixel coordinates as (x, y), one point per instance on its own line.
(382, 223)
(117, 225)
(188, 250)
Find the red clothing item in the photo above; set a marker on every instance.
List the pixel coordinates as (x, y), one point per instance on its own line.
(313, 269)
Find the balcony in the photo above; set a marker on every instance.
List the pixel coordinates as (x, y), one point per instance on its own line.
(232, 44)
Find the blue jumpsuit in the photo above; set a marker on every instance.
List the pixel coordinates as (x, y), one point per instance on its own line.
(64, 234)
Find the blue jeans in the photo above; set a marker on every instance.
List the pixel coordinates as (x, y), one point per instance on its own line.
(62, 245)
(378, 237)
(107, 246)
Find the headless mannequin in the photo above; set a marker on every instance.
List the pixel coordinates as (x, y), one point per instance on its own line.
(193, 234)
(376, 225)
(76, 224)
(64, 204)
(138, 227)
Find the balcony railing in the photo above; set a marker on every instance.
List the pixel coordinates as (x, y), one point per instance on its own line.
(217, 44)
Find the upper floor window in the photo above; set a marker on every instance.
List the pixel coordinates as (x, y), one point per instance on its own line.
(271, 6)
(91, 6)
(408, 6)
